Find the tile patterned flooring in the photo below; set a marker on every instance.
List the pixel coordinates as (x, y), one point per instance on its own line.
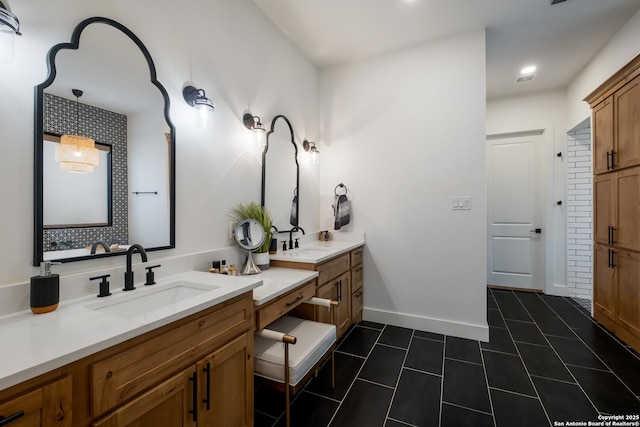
(546, 361)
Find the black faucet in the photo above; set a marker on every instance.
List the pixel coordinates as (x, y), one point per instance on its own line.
(99, 243)
(128, 275)
(291, 235)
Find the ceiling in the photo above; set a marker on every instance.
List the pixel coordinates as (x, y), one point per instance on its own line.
(559, 39)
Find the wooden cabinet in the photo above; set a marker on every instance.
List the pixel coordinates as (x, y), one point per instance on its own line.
(602, 123)
(616, 150)
(339, 290)
(604, 289)
(170, 403)
(214, 392)
(627, 125)
(47, 406)
(617, 208)
(339, 278)
(197, 371)
(357, 280)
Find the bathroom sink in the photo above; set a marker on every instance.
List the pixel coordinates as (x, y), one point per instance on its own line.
(135, 303)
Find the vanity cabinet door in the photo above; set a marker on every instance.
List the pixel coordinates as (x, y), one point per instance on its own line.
(170, 403)
(338, 290)
(226, 385)
(47, 406)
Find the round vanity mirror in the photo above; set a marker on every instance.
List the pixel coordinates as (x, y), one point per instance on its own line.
(249, 235)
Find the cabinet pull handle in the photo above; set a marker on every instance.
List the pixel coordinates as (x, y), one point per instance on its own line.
(289, 304)
(609, 258)
(207, 401)
(608, 157)
(613, 159)
(339, 290)
(613, 254)
(194, 411)
(608, 235)
(613, 240)
(6, 420)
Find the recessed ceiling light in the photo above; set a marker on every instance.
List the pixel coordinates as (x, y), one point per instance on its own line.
(530, 69)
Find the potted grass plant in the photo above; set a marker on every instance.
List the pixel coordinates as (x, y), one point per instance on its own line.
(252, 210)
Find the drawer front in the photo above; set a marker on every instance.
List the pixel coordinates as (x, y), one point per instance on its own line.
(284, 304)
(129, 372)
(356, 278)
(356, 305)
(332, 269)
(356, 256)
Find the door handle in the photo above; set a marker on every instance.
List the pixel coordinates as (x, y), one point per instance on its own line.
(536, 230)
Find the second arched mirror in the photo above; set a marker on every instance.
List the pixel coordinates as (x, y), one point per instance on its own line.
(281, 174)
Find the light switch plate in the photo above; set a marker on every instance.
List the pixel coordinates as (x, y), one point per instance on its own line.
(461, 203)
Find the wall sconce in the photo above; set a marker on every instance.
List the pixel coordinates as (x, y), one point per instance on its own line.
(9, 28)
(77, 153)
(311, 147)
(198, 100)
(253, 123)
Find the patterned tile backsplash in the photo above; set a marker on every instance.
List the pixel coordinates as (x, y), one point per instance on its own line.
(107, 128)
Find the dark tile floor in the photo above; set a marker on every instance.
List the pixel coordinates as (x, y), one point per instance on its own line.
(546, 361)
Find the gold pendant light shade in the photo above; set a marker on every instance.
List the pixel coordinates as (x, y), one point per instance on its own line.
(77, 154)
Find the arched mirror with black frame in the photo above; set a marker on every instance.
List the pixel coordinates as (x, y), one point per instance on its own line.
(281, 175)
(129, 197)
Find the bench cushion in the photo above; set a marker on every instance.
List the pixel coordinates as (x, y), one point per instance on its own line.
(313, 341)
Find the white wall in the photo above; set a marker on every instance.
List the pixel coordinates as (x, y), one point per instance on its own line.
(621, 49)
(404, 132)
(544, 110)
(229, 48)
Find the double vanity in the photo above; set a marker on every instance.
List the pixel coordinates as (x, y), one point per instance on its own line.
(176, 353)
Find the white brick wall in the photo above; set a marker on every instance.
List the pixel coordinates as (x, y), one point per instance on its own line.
(579, 214)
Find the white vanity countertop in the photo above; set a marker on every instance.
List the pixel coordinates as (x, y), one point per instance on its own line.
(278, 281)
(35, 344)
(317, 251)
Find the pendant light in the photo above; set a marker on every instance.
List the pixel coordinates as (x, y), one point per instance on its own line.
(9, 28)
(77, 153)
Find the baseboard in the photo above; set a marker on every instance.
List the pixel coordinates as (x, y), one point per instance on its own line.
(558, 290)
(428, 324)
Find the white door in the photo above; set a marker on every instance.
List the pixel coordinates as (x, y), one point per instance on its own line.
(515, 249)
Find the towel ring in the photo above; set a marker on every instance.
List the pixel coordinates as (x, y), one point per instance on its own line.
(341, 185)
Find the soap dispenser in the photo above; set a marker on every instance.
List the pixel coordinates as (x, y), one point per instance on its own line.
(45, 290)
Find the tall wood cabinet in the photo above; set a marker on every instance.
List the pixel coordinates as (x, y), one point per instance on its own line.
(616, 166)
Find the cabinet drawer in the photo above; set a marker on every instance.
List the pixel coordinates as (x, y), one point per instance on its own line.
(356, 278)
(356, 256)
(333, 268)
(134, 369)
(284, 304)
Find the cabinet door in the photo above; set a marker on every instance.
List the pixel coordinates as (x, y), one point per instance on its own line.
(604, 288)
(603, 187)
(627, 102)
(226, 385)
(627, 209)
(48, 406)
(628, 266)
(171, 403)
(602, 136)
(339, 290)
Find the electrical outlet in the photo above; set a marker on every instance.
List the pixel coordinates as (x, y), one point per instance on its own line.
(460, 203)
